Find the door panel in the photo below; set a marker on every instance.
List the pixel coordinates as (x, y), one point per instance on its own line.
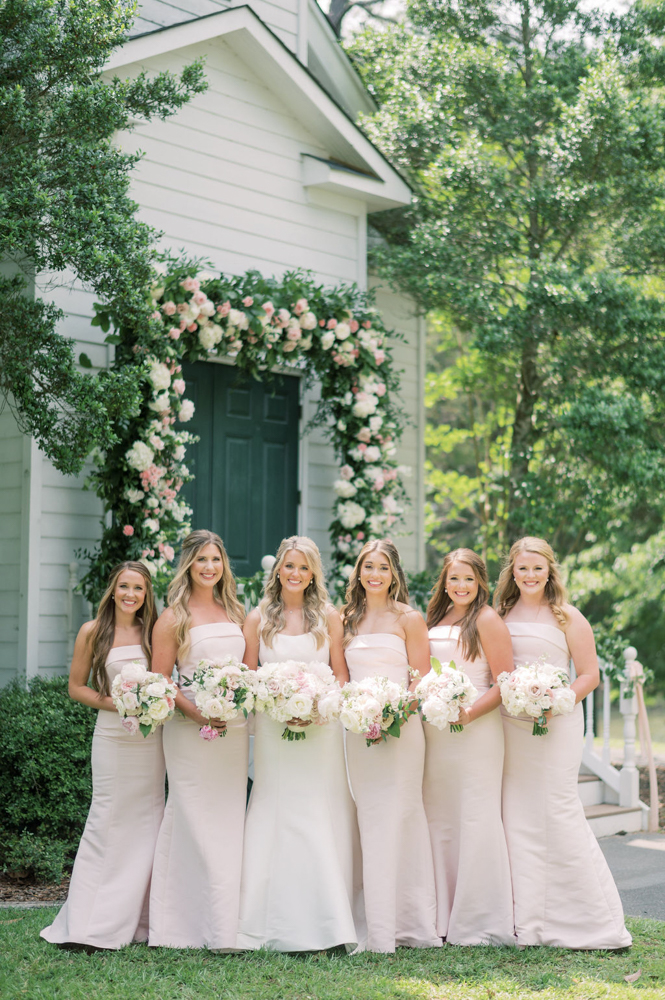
(246, 463)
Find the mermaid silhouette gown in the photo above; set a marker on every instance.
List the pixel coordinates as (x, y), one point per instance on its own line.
(563, 890)
(462, 795)
(107, 904)
(386, 780)
(196, 877)
(301, 872)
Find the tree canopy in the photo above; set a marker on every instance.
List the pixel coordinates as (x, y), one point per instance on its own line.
(65, 209)
(534, 134)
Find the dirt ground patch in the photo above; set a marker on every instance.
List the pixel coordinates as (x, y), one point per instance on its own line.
(19, 890)
(644, 790)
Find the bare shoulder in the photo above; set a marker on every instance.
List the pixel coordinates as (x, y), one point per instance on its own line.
(576, 620)
(489, 621)
(332, 614)
(165, 623)
(411, 619)
(253, 618)
(87, 628)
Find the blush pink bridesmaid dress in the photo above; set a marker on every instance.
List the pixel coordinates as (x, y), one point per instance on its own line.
(386, 781)
(563, 890)
(462, 796)
(302, 876)
(196, 876)
(107, 904)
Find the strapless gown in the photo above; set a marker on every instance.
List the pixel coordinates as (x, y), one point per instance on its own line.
(386, 780)
(563, 891)
(301, 874)
(107, 904)
(196, 877)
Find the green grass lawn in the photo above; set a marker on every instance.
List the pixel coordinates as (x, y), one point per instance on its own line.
(30, 968)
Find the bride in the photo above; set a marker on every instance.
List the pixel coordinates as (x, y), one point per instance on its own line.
(300, 887)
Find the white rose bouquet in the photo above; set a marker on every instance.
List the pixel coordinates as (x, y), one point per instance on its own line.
(442, 692)
(143, 699)
(222, 690)
(375, 708)
(535, 688)
(307, 692)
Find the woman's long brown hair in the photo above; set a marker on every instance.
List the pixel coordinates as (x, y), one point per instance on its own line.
(441, 602)
(101, 635)
(507, 592)
(355, 599)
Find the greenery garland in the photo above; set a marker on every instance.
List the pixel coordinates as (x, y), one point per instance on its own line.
(334, 335)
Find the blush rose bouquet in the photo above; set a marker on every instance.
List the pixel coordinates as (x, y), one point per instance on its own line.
(533, 689)
(375, 708)
(144, 700)
(442, 692)
(291, 690)
(223, 689)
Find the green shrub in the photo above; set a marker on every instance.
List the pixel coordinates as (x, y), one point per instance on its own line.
(39, 858)
(45, 740)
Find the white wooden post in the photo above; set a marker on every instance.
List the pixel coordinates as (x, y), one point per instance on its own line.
(72, 584)
(267, 564)
(606, 756)
(629, 783)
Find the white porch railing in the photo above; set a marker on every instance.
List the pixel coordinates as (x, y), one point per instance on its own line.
(623, 785)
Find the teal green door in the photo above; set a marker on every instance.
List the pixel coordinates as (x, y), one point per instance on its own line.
(246, 463)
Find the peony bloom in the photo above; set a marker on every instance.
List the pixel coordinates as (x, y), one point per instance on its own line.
(364, 434)
(128, 530)
(179, 386)
(248, 301)
(156, 442)
(179, 453)
(372, 454)
(288, 346)
(268, 308)
(159, 376)
(344, 489)
(308, 321)
(186, 411)
(133, 495)
(342, 331)
(346, 472)
(131, 725)
(350, 514)
(301, 306)
(365, 404)
(140, 456)
(327, 340)
(152, 525)
(224, 309)
(294, 334)
(169, 308)
(379, 357)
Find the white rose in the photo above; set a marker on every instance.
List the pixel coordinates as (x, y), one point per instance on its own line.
(159, 375)
(156, 442)
(157, 689)
(365, 404)
(375, 423)
(186, 411)
(343, 488)
(342, 331)
(207, 308)
(207, 338)
(308, 321)
(299, 706)
(327, 340)
(160, 403)
(134, 495)
(140, 456)
(376, 523)
(158, 711)
(130, 701)
(351, 514)
(152, 503)
(372, 454)
(151, 525)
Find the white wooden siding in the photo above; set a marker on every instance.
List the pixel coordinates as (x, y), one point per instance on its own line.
(281, 16)
(11, 496)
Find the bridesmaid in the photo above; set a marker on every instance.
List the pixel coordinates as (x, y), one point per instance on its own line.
(107, 905)
(386, 637)
(196, 877)
(301, 878)
(563, 891)
(463, 771)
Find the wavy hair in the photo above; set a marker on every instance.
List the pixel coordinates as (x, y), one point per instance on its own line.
(355, 599)
(440, 602)
(180, 588)
(315, 596)
(507, 592)
(101, 635)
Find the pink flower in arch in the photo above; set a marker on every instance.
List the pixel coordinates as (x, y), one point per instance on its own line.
(331, 324)
(192, 327)
(179, 386)
(248, 301)
(353, 325)
(174, 333)
(301, 306)
(379, 357)
(128, 531)
(367, 324)
(268, 308)
(322, 322)
(224, 309)
(169, 308)
(190, 284)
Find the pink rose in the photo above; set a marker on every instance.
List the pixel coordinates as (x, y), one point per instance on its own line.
(379, 357)
(179, 385)
(208, 733)
(131, 724)
(248, 301)
(192, 327)
(182, 307)
(367, 324)
(322, 322)
(294, 334)
(169, 308)
(380, 389)
(183, 325)
(374, 731)
(353, 325)
(155, 314)
(224, 309)
(128, 530)
(283, 316)
(364, 434)
(174, 333)
(301, 306)
(360, 536)
(168, 553)
(346, 472)
(268, 308)
(331, 324)
(199, 298)
(190, 284)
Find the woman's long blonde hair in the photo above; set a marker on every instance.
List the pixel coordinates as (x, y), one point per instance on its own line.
(507, 592)
(355, 599)
(441, 601)
(101, 635)
(180, 588)
(315, 596)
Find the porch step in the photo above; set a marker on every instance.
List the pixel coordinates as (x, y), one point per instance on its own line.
(606, 820)
(590, 789)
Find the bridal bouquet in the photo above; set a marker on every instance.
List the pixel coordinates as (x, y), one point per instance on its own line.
(442, 692)
(375, 707)
(222, 690)
(143, 699)
(306, 692)
(534, 689)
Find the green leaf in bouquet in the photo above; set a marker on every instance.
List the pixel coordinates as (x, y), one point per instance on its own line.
(435, 664)
(394, 729)
(145, 730)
